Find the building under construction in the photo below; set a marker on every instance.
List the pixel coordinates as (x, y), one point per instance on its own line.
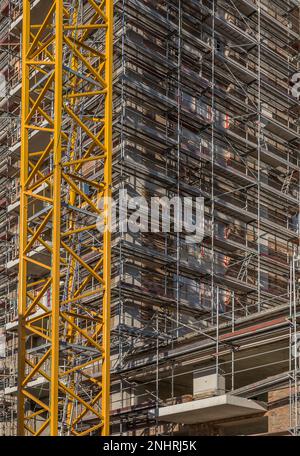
(143, 333)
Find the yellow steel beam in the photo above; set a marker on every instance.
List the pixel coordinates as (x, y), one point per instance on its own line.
(57, 183)
(107, 233)
(22, 295)
(63, 311)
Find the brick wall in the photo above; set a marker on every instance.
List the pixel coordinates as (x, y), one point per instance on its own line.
(278, 413)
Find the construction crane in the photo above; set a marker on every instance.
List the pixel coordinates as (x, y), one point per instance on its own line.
(65, 258)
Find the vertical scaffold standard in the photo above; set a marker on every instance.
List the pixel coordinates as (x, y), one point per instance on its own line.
(66, 161)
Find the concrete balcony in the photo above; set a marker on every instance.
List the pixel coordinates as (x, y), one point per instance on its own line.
(211, 409)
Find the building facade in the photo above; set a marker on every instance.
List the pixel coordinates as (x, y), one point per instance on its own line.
(204, 334)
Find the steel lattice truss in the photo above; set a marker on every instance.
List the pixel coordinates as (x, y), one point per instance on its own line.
(64, 288)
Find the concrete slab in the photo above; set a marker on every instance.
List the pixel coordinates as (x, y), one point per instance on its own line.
(210, 409)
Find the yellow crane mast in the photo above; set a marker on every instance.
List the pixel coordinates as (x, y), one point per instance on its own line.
(65, 262)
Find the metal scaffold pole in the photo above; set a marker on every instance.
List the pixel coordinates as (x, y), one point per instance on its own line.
(64, 337)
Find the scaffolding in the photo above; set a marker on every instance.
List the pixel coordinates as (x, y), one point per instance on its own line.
(202, 114)
(202, 106)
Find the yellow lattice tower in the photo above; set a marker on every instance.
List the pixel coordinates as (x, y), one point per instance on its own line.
(66, 160)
